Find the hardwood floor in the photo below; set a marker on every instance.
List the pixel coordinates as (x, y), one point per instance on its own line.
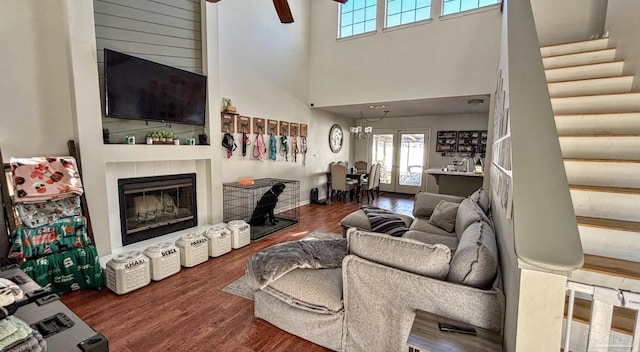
(190, 312)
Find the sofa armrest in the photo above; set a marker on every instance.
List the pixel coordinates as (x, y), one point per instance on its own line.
(380, 302)
(425, 203)
(403, 253)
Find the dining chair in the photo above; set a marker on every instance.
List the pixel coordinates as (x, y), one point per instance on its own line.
(361, 166)
(376, 179)
(339, 182)
(368, 184)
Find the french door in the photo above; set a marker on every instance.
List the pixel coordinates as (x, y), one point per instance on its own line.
(403, 155)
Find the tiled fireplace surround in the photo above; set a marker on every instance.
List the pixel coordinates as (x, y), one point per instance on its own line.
(118, 170)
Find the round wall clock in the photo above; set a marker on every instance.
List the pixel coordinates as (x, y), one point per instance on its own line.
(335, 138)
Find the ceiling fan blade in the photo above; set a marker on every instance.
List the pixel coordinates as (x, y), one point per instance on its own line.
(219, 0)
(340, 1)
(283, 10)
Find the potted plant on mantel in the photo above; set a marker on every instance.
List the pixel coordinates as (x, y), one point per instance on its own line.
(161, 137)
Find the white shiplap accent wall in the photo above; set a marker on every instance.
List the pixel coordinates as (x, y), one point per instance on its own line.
(162, 31)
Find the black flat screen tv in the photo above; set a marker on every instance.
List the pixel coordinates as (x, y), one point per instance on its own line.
(143, 90)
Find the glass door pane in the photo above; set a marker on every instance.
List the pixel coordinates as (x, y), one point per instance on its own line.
(411, 162)
(382, 152)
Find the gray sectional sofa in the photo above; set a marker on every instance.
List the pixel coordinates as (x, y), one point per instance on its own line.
(369, 304)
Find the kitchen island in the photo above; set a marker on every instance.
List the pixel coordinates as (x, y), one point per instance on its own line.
(457, 183)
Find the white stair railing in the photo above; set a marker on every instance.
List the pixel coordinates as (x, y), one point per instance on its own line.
(599, 330)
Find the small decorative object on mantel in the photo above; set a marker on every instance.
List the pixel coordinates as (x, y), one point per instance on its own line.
(227, 106)
(161, 137)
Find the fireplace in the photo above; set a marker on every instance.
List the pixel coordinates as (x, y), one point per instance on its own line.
(155, 206)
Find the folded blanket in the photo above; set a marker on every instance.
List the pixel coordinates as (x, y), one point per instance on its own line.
(41, 179)
(67, 271)
(385, 221)
(32, 343)
(63, 234)
(21, 332)
(274, 262)
(38, 214)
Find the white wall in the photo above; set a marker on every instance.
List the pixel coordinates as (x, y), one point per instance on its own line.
(433, 122)
(622, 24)
(34, 89)
(452, 57)
(569, 20)
(264, 67)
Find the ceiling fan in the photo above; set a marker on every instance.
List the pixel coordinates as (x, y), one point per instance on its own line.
(283, 10)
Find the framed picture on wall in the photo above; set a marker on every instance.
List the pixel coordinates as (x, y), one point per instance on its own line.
(294, 129)
(244, 124)
(284, 128)
(258, 125)
(272, 126)
(303, 130)
(227, 123)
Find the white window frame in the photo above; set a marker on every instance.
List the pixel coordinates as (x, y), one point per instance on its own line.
(403, 25)
(363, 34)
(469, 11)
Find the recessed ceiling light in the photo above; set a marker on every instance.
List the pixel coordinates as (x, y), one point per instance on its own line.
(475, 101)
(376, 106)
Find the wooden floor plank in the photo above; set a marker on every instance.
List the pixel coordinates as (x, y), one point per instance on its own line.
(189, 312)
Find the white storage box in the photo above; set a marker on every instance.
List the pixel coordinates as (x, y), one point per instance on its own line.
(127, 272)
(193, 249)
(165, 260)
(240, 233)
(219, 237)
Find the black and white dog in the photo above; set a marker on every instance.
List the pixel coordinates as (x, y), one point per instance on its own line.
(266, 204)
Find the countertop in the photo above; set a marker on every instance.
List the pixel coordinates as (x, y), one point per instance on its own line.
(438, 171)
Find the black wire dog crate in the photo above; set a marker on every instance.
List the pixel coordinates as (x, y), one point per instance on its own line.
(241, 201)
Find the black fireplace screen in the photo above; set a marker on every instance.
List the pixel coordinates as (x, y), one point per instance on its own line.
(155, 206)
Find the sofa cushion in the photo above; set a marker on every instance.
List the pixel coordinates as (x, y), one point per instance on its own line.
(481, 198)
(432, 238)
(444, 215)
(426, 202)
(410, 255)
(423, 225)
(312, 289)
(468, 213)
(359, 219)
(475, 261)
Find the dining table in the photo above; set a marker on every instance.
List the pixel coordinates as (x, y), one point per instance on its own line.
(358, 176)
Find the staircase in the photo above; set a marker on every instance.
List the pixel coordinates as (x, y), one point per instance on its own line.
(598, 121)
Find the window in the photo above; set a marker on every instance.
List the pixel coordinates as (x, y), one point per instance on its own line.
(455, 6)
(407, 11)
(357, 17)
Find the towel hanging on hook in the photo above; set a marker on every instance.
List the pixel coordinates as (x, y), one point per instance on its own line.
(284, 148)
(245, 143)
(259, 149)
(303, 149)
(229, 144)
(272, 147)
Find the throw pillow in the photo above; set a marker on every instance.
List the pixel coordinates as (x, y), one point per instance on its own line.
(481, 198)
(444, 215)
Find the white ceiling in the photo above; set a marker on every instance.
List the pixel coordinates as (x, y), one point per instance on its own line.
(418, 107)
